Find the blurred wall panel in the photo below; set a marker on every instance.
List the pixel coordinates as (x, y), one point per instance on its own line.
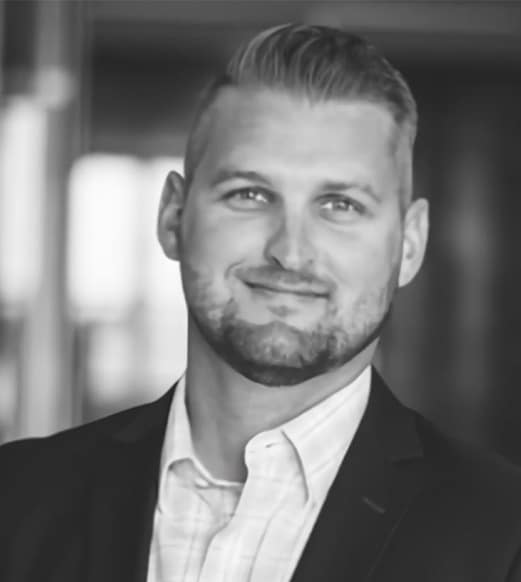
(47, 396)
(41, 67)
(462, 309)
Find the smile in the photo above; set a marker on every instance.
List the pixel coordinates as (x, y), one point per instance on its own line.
(277, 290)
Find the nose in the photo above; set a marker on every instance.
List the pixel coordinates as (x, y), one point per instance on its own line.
(290, 245)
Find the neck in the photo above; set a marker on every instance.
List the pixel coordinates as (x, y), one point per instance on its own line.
(226, 409)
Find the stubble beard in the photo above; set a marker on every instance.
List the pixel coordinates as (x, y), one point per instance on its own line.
(278, 354)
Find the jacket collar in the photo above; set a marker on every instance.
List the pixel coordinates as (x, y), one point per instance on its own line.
(124, 492)
(382, 473)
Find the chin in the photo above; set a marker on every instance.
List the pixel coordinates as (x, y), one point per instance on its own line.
(276, 376)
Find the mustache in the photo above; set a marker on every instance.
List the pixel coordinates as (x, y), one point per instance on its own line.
(274, 277)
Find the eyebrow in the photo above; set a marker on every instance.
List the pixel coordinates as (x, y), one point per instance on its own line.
(225, 174)
(355, 185)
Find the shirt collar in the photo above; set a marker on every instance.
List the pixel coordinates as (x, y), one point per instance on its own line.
(320, 435)
(177, 444)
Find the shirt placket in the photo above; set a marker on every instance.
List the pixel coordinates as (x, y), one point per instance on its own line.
(242, 534)
(290, 506)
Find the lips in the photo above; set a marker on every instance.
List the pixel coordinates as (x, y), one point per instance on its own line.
(272, 281)
(299, 291)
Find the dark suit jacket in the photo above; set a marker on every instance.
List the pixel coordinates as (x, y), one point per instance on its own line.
(408, 504)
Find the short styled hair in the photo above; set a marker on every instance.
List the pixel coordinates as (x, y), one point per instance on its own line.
(319, 63)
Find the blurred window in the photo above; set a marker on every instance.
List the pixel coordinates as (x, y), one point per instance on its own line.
(126, 300)
(22, 149)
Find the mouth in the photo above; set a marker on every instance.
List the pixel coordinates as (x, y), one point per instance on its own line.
(270, 289)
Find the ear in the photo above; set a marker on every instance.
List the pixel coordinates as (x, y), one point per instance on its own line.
(416, 232)
(169, 216)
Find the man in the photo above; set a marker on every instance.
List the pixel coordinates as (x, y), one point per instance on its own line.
(281, 454)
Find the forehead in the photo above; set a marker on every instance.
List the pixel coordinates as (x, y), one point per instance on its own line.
(275, 129)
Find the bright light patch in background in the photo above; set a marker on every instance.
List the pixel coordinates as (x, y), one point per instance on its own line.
(120, 283)
(22, 151)
(103, 226)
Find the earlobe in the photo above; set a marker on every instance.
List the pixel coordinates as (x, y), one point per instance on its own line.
(416, 231)
(169, 215)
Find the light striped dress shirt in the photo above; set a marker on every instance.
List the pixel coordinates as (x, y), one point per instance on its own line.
(211, 530)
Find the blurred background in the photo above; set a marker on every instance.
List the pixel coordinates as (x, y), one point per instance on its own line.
(96, 98)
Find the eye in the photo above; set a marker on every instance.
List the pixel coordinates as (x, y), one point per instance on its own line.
(247, 198)
(341, 207)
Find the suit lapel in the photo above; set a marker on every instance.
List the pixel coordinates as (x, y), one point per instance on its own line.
(123, 498)
(381, 474)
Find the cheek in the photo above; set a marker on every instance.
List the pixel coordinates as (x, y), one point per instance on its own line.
(214, 243)
(366, 262)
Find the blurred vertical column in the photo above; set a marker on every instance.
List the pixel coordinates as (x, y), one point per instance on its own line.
(46, 399)
(470, 240)
(2, 35)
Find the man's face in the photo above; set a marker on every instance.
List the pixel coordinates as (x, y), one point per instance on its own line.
(291, 237)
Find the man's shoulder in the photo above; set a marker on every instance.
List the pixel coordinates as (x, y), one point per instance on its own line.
(470, 471)
(79, 435)
(64, 452)
(407, 434)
